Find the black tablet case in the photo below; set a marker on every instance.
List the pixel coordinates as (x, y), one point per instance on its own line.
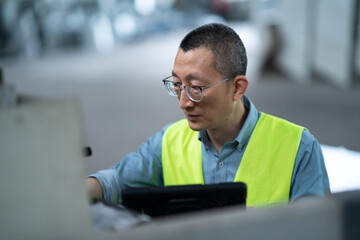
(164, 201)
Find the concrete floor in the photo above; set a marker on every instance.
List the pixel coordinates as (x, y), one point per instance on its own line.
(123, 101)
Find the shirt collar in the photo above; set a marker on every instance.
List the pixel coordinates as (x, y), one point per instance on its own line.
(246, 131)
(249, 125)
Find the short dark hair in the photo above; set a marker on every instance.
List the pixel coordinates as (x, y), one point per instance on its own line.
(225, 44)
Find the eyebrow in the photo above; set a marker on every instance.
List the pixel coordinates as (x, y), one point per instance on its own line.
(190, 76)
(174, 74)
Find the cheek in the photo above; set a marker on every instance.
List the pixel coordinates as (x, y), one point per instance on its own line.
(216, 104)
(213, 108)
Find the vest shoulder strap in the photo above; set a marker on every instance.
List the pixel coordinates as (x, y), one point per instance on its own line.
(181, 155)
(268, 161)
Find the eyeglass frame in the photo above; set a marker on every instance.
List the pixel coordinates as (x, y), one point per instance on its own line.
(190, 85)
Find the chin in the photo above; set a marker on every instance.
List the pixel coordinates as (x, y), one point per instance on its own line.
(196, 126)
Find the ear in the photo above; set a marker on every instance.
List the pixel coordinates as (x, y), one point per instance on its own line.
(241, 84)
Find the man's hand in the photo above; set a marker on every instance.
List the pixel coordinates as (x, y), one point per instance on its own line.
(94, 189)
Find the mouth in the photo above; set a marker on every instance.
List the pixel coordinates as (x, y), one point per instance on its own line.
(192, 117)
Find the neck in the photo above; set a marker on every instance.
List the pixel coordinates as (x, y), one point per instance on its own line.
(229, 131)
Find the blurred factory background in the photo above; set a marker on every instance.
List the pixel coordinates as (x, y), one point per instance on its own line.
(32, 28)
(320, 37)
(304, 62)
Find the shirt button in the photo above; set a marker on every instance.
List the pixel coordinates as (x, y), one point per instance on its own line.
(221, 164)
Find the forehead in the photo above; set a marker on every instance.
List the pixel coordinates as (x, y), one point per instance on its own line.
(194, 63)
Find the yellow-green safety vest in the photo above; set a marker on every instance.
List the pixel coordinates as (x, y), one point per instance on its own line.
(266, 166)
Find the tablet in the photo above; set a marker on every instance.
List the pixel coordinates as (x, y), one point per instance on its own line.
(170, 200)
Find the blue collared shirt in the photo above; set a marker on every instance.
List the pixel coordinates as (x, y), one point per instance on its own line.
(144, 168)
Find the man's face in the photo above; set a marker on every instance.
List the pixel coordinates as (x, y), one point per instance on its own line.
(195, 67)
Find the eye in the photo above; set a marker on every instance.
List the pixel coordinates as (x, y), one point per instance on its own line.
(194, 87)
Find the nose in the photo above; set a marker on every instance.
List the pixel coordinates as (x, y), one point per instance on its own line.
(184, 100)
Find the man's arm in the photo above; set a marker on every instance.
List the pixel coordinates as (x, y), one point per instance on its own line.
(137, 169)
(310, 177)
(94, 189)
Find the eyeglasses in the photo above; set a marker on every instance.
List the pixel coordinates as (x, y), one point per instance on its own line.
(194, 93)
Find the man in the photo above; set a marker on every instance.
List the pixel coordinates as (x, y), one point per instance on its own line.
(224, 138)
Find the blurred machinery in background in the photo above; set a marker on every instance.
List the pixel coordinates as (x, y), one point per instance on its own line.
(312, 39)
(31, 28)
(301, 38)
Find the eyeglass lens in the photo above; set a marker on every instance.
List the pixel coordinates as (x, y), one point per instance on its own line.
(193, 92)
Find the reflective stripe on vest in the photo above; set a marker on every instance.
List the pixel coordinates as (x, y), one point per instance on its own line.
(266, 166)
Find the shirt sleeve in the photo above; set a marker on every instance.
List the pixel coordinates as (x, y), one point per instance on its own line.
(137, 169)
(309, 177)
